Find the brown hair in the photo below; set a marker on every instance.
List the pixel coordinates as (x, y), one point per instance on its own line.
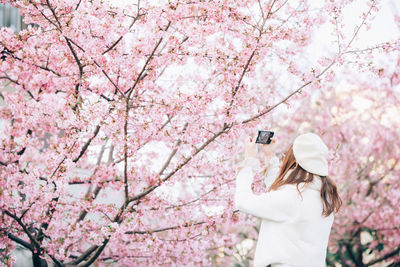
(330, 198)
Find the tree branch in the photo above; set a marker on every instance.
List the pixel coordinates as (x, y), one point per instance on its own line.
(187, 160)
(25, 229)
(32, 64)
(147, 141)
(47, 18)
(178, 143)
(120, 38)
(77, 5)
(96, 191)
(83, 256)
(102, 70)
(359, 27)
(126, 187)
(298, 90)
(198, 198)
(87, 144)
(19, 240)
(96, 255)
(384, 257)
(54, 13)
(240, 80)
(75, 55)
(188, 224)
(130, 90)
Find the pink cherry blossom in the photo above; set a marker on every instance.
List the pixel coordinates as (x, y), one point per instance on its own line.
(121, 126)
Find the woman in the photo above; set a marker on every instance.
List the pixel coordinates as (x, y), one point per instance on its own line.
(297, 211)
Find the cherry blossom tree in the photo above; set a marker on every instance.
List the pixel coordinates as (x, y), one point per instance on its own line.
(120, 123)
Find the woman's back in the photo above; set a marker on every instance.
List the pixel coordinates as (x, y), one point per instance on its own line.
(300, 240)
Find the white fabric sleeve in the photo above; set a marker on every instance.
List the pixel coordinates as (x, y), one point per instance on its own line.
(272, 171)
(280, 205)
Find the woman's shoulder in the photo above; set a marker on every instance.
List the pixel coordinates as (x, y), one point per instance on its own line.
(303, 186)
(311, 187)
(315, 184)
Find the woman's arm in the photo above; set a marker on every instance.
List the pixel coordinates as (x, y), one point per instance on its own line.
(280, 205)
(272, 171)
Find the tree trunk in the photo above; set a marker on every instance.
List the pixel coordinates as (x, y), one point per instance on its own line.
(37, 261)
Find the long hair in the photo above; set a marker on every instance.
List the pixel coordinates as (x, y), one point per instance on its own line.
(329, 195)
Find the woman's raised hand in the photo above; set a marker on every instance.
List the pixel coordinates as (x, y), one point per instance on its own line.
(249, 148)
(269, 150)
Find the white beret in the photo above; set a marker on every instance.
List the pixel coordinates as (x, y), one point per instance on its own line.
(311, 153)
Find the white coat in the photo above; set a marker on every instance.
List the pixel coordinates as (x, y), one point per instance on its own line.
(293, 231)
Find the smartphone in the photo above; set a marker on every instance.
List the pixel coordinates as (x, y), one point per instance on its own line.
(264, 137)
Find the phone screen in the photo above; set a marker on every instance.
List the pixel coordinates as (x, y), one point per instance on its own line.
(264, 137)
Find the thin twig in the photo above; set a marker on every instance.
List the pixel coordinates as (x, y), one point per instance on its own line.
(189, 224)
(150, 189)
(139, 77)
(298, 90)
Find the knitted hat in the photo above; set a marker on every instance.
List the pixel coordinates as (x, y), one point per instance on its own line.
(311, 153)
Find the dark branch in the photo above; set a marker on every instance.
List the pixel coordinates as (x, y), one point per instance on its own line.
(130, 90)
(120, 38)
(189, 224)
(75, 55)
(102, 70)
(180, 166)
(19, 241)
(77, 5)
(83, 256)
(54, 13)
(234, 92)
(26, 231)
(96, 255)
(87, 144)
(384, 257)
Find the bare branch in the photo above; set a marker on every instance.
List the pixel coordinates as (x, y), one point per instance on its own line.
(25, 229)
(186, 161)
(179, 142)
(19, 241)
(96, 255)
(240, 81)
(298, 90)
(87, 144)
(75, 55)
(102, 70)
(130, 90)
(77, 5)
(120, 38)
(126, 186)
(261, 9)
(83, 256)
(388, 255)
(189, 224)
